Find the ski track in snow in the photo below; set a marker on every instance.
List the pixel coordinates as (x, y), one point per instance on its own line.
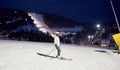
(21, 55)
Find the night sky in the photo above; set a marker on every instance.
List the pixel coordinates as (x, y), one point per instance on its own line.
(92, 11)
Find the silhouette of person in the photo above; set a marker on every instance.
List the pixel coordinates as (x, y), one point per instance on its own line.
(57, 44)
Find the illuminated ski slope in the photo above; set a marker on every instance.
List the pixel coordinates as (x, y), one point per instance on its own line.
(20, 55)
(38, 21)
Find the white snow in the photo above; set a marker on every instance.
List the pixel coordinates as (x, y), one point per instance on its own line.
(38, 21)
(21, 55)
(71, 29)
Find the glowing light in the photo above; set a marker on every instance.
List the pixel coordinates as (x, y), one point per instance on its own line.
(89, 37)
(38, 26)
(92, 36)
(98, 25)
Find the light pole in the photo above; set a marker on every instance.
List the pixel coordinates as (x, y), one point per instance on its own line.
(115, 15)
(90, 37)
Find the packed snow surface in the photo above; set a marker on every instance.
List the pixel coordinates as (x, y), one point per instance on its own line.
(22, 55)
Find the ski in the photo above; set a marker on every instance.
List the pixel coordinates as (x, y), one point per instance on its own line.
(58, 58)
(63, 58)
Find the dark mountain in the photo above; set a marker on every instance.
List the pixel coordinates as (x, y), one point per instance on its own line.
(13, 18)
(16, 24)
(14, 21)
(10, 19)
(53, 20)
(56, 21)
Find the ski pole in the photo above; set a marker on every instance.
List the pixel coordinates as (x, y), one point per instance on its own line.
(51, 51)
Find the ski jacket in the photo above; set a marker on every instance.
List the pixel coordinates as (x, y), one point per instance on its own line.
(56, 40)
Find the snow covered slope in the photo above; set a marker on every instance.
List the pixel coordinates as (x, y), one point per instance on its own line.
(21, 55)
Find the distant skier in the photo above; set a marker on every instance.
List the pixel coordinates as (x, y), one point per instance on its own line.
(78, 38)
(57, 44)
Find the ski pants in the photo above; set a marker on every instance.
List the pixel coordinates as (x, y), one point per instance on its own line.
(58, 50)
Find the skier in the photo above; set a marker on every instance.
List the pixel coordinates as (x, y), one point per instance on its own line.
(57, 44)
(78, 38)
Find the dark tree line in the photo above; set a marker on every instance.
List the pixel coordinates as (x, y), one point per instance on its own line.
(31, 36)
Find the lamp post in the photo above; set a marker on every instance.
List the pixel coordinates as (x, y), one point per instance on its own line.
(115, 15)
(90, 37)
